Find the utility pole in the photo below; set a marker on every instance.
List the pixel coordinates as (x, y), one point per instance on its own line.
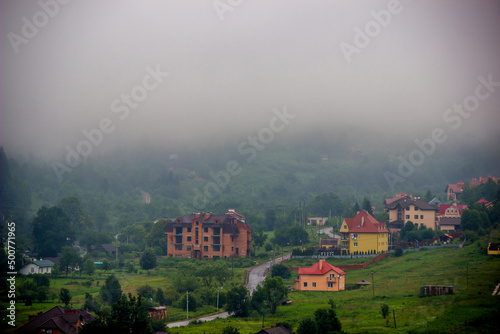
(187, 304)
(394, 314)
(218, 298)
(373, 286)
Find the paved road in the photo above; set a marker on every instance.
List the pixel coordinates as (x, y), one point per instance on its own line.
(255, 276)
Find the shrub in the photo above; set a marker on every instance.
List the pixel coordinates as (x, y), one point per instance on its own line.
(398, 252)
(385, 310)
(280, 270)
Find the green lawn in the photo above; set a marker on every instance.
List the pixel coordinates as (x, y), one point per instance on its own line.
(397, 283)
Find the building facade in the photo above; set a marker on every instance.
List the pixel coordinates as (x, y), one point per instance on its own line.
(363, 234)
(205, 235)
(37, 267)
(321, 276)
(411, 209)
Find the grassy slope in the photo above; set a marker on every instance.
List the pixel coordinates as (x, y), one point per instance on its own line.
(397, 283)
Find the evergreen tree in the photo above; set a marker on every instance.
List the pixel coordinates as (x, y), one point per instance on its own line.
(111, 291)
(148, 259)
(51, 231)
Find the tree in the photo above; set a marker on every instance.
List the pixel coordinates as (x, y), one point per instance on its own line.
(69, 258)
(64, 296)
(326, 205)
(160, 297)
(307, 326)
(148, 259)
(89, 266)
(367, 206)
(280, 270)
(156, 237)
(470, 220)
(238, 301)
(193, 303)
(146, 291)
(111, 291)
(327, 321)
(41, 293)
(79, 217)
(127, 316)
(230, 330)
(258, 238)
(273, 290)
(106, 265)
(385, 310)
(428, 196)
(90, 304)
(51, 231)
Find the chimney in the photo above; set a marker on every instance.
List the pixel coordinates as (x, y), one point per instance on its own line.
(362, 220)
(321, 264)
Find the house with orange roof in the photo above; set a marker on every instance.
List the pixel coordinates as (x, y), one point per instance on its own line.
(321, 276)
(363, 234)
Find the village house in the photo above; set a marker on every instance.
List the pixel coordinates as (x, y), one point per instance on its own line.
(321, 276)
(37, 267)
(317, 221)
(328, 243)
(363, 234)
(449, 216)
(57, 320)
(407, 209)
(205, 235)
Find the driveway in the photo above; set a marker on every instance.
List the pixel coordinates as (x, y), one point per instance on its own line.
(329, 231)
(255, 276)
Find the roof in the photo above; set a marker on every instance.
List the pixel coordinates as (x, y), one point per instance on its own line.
(457, 188)
(363, 282)
(435, 201)
(56, 317)
(227, 221)
(482, 201)
(398, 196)
(328, 241)
(406, 202)
(108, 248)
(43, 263)
(363, 222)
(275, 330)
(450, 221)
(314, 269)
(443, 207)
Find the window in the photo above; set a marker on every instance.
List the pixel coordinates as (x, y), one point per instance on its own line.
(416, 216)
(188, 248)
(416, 209)
(421, 216)
(189, 238)
(355, 244)
(237, 250)
(216, 230)
(332, 276)
(407, 216)
(305, 284)
(189, 229)
(216, 248)
(205, 256)
(178, 230)
(205, 229)
(314, 284)
(330, 284)
(205, 248)
(205, 239)
(178, 247)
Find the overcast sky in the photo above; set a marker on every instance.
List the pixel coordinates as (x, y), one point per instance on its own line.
(229, 66)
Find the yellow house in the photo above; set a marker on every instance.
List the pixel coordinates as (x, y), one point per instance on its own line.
(411, 209)
(321, 276)
(363, 234)
(494, 249)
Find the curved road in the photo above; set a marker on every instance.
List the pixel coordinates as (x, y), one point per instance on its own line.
(255, 277)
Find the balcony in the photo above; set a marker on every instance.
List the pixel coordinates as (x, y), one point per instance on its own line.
(331, 280)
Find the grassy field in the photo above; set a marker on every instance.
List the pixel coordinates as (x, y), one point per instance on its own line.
(397, 284)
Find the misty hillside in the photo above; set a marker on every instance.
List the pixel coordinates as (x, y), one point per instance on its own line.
(114, 188)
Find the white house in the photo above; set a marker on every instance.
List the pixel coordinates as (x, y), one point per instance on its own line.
(37, 267)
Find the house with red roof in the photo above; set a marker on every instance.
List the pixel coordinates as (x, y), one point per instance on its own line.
(453, 191)
(408, 209)
(363, 234)
(57, 320)
(321, 276)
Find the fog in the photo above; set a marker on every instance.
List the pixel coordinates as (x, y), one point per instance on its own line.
(70, 67)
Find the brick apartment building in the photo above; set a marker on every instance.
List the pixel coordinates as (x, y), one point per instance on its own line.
(205, 235)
